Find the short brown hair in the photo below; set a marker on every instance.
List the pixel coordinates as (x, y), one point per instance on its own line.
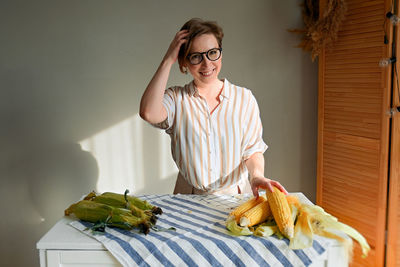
(198, 27)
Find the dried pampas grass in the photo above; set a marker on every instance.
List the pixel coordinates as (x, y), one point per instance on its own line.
(320, 29)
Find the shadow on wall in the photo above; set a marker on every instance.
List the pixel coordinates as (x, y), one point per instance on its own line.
(41, 177)
(38, 180)
(43, 169)
(309, 119)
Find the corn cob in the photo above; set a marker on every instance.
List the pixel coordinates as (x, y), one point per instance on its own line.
(97, 212)
(117, 200)
(135, 201)
(237, 213)
(256, 215)
(281, 212)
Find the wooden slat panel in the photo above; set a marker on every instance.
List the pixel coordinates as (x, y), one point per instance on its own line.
(360, 43)
(375, 86)
(355, 68)
(353, 127)
(364, 88)
(343, 176)
(347, 36)
(338, 115)
(349, 52)
(353, 95)
(351, 79)
(393, 247)
(373, 76)
(336, 153)
(361, 21)
(350, 168)
(361, 103)
(365, 18)
(370, 26)
(369, 102)
(356, 37)
(348, 58)
(347, 103)
(370, 11)
(393, 242)
(360, 3)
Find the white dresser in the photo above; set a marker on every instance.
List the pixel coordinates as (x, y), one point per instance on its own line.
(63, 245)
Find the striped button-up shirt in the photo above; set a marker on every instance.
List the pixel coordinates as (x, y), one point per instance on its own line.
(210, 149)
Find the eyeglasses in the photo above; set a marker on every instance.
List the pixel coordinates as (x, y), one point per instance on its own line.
(212, 54)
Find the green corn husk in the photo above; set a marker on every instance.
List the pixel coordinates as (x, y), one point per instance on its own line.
(312, 219)
(118, 200)
(124, 201)
(265, 230)
(110, 200)
(309, 220)
(90, 196)
(98, 212)
(133, 201)
(235, 229)
(142, 204)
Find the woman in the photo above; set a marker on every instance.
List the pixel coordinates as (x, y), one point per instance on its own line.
(215, 127)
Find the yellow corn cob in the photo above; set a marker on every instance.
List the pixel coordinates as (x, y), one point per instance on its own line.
(258, 214)
(281, 211)
(237, 213)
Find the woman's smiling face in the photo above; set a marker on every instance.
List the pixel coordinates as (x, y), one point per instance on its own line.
(206, 71)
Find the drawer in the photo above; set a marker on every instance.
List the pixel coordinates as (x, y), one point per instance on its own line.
(77, 258)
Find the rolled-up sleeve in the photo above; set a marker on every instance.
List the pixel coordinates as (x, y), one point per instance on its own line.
(252, 137)
(169, 104)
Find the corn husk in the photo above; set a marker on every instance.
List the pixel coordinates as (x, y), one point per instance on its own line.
(309, 220)
(94, 212)
(235, 229)
(124, 201)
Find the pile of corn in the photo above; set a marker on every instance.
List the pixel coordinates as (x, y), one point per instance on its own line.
(285, 216)
(115, 210)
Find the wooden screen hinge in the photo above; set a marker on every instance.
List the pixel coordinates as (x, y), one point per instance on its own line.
(393, 111)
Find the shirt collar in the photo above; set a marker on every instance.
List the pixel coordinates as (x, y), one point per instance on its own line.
(226, 90)
(192, 90)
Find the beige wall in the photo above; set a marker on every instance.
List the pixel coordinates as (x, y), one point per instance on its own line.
(72, 72)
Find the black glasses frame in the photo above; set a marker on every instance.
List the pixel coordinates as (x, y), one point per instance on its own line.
(206, 54)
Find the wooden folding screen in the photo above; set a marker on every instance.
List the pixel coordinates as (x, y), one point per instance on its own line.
(354, 125)
(393, 231)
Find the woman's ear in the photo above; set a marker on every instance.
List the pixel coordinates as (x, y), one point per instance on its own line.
(184, 67)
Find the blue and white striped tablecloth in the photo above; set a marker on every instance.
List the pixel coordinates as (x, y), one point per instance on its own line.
(201, 238)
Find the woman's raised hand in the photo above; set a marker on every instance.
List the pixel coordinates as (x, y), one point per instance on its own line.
(173, 50)
(151, 105)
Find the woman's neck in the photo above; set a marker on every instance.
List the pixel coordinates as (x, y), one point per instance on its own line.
(209, 89)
